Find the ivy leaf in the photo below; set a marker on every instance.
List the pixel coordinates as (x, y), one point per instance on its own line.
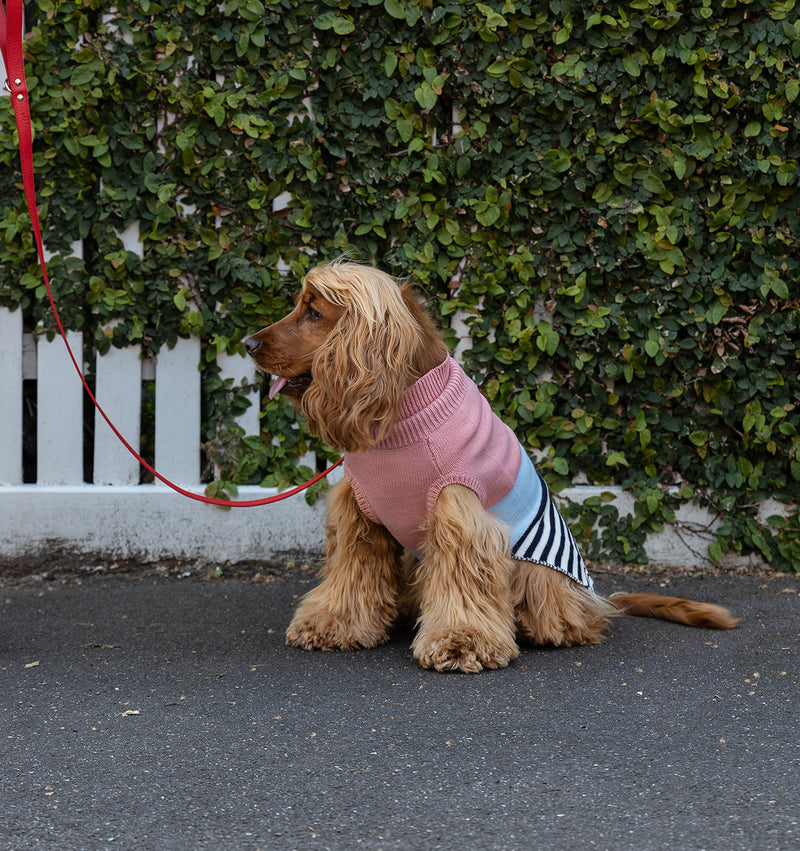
(333, 20)
(772, 281)
(631, 66)
(395, 8)
(343, 26)
(547, 339)
(405, 128)
(493, 18)
(715, 313)
(425, 95)
(653, 183)
(498, 68)
(81, 75)
(488, 215)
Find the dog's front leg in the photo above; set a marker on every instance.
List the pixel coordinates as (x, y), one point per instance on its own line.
(356, 603)
(466, 618)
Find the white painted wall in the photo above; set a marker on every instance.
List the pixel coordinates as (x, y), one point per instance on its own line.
(150, 523)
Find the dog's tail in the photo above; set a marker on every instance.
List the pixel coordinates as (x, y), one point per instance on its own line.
(688, 612)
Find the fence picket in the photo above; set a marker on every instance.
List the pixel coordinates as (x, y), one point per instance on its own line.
(238, 367)
(59, 412)
(177, 454)
(11, 395)
(119, 391)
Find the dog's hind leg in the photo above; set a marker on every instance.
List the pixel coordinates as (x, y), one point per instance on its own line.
(466, 620)
(551, 608)
(356, 603)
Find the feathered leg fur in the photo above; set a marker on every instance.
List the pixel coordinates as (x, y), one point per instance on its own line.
(466, 620)
(551, 608)
(356, 603)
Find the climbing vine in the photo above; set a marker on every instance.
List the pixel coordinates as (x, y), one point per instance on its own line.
(606, 195)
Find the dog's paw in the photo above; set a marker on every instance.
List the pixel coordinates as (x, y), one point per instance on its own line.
(462, 651)
(325, 632)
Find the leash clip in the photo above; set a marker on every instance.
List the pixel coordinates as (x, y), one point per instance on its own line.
(6, 86)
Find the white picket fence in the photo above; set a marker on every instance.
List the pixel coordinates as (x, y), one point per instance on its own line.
(115, 517)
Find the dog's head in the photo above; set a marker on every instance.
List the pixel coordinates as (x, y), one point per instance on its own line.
(346, 354)
(287, 348)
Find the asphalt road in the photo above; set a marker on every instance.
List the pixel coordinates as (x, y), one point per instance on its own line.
(145, 712)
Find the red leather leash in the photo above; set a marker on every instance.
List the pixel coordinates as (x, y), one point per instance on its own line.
(11, 27)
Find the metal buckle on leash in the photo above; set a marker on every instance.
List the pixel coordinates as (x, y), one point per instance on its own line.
(17, 82)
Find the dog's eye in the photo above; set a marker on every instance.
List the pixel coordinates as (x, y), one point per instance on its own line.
(313, 315)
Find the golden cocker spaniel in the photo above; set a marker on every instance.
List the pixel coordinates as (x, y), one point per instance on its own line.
(441, 518)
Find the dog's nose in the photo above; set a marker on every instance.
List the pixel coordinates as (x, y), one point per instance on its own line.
(252, 345)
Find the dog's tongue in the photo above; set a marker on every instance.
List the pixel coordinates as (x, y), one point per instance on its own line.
(276, 387)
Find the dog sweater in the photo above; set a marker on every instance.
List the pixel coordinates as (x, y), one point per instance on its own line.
(447, 434)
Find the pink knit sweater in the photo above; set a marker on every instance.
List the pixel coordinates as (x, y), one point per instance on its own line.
(446, 434)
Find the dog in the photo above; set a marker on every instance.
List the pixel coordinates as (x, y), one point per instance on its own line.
(441, 519)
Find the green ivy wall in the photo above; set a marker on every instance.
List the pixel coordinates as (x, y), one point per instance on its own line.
(607, 195)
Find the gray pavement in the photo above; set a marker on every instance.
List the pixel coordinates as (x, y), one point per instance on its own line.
(148, 712)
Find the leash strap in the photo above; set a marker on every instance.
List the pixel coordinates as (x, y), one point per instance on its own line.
(11, 27)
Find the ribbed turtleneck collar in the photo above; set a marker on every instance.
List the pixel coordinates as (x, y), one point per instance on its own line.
(427, 404)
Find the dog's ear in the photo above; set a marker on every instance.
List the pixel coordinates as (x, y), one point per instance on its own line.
(431, 350)
(360, 375)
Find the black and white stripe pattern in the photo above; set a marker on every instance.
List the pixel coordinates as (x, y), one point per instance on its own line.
(549, 541)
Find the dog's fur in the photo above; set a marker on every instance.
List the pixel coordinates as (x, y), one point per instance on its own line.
(355, 341)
